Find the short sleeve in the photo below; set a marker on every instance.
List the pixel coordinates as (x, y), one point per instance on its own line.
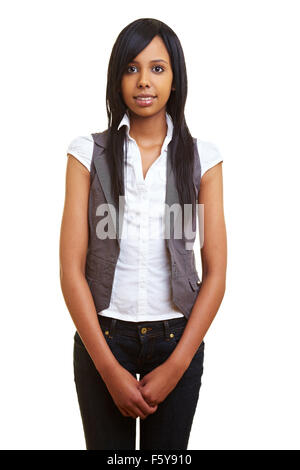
(82, 148)
(209, 155)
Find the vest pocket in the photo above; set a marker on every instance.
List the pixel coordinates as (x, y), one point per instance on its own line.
(96, 267)
(99, 273)
(91, 267)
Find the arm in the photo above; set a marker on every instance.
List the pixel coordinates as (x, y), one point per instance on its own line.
(73, 247)
(160, 382)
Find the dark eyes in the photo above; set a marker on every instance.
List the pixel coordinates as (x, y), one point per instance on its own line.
(154, 67)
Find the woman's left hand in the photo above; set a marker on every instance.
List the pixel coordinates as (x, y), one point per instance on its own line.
(157, 384)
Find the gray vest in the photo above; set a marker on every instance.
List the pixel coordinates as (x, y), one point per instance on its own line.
(102, 253)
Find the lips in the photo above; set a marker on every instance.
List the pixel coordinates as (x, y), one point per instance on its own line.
(145, 100)
(144, 96)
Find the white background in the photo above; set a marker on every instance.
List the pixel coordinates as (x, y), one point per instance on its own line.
(243, 74)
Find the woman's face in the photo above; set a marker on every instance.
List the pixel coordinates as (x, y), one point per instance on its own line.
(150, 73)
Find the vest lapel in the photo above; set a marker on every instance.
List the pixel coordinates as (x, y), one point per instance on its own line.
(172, 196)
(102, 169)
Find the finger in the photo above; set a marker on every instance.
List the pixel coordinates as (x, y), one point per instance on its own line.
(138, 412)
(145, 407)
(131, 414)
(153, 410)
(134, 412)
(124, 412)
(145, 401)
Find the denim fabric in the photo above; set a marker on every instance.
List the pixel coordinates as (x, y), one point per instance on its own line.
(105, 428)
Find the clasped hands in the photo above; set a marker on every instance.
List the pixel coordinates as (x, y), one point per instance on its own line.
(157, 384)
(140, 398)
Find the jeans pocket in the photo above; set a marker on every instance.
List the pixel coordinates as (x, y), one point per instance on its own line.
(175, 334)
(107, 334)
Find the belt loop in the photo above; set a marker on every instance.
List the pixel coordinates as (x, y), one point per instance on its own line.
(112, 327)
(167, 329)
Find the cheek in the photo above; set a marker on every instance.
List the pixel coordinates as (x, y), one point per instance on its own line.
(125, 86)
(165, 92)
(165, 86)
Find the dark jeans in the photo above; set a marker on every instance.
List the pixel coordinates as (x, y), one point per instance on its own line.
(140, 348)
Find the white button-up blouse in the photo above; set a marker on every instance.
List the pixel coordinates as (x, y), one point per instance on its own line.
(141, 288)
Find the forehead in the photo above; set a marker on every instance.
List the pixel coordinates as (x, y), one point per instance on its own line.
(154, 51)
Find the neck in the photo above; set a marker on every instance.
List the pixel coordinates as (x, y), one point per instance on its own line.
(148, 131)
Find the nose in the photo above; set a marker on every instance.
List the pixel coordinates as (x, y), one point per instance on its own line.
(143, 80)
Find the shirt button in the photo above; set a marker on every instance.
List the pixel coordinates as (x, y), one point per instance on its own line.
(198, 282)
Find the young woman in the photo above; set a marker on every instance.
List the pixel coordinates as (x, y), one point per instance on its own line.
(136, 300)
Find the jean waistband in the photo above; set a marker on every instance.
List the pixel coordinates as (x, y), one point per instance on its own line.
(144, 328)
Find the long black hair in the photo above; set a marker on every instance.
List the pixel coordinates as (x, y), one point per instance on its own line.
(130, 42)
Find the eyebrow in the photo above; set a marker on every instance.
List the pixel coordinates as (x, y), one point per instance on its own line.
(155, 60)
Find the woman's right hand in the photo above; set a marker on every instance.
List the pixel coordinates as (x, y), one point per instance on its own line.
(124, 389)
